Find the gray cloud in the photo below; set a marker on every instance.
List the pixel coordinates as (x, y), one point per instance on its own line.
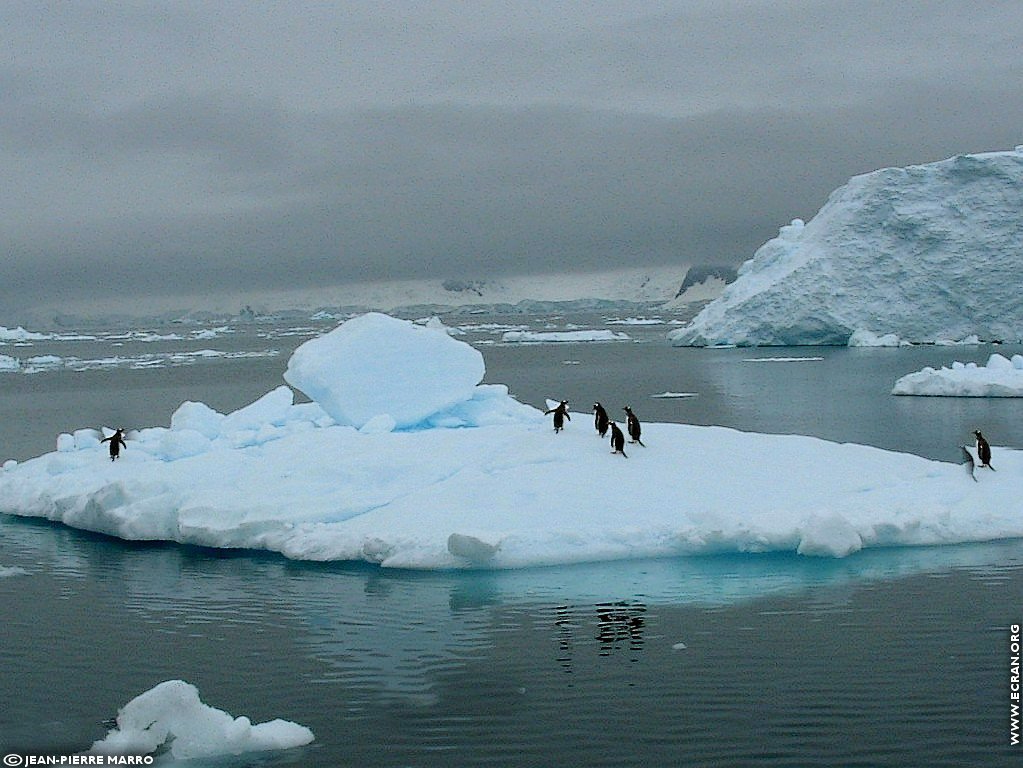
(151, 150)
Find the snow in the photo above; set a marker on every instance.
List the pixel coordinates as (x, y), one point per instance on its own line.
(1000, 377)
(402, 461)
(172, 715)
(543, 337)
(930, 253)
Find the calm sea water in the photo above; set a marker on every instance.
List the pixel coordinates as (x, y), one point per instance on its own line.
(888, 658)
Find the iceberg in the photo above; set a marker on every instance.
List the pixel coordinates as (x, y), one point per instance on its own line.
(926, 254)
(421, 469)
(1000, 377)
(172, 717)
(416, 372)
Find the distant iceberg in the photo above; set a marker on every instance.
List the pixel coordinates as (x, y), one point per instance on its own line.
(929, 253)
(1000, 377)
(403, 460)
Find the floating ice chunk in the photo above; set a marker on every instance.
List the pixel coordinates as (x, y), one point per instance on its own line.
(1000, 377)
(375, 364)
(20, 334)
(541, 337)
(8, 363)
(172, 715)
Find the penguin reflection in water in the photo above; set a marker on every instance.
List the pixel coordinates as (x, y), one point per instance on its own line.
(560, 414)
(600, 419)
(617, 440)
(632, 423)
(116, 441)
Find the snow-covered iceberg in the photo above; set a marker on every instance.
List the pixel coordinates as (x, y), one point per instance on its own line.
(484, 481)
(1000, 377)
(929, 253)
(172, 717)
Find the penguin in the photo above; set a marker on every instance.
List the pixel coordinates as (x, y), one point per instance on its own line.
(617, 440)
(633, 426)
(116, 441)
(560, 414)
(983, 450)
(600, 419)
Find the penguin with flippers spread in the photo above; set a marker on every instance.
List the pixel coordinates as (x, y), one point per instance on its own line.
(560, 414)
(116, 441)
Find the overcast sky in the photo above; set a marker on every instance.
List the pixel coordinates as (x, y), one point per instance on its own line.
(179, 147)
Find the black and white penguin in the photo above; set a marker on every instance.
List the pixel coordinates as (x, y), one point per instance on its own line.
(116, 441)
(617, 440)
(600, 419)
(560, 414)
(632, 422)
(983, 450)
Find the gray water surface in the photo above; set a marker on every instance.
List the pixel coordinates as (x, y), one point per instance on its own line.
(893, 657)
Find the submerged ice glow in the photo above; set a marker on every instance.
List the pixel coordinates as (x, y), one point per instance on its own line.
(427, 460)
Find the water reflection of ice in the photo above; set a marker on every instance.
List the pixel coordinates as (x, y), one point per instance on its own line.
(388, 633)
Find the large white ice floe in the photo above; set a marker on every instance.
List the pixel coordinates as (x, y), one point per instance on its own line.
(485, 482)
(172, 718)
(1000, 377)
(927, 253)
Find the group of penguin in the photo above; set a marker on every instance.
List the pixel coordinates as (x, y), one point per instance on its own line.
(602, 423)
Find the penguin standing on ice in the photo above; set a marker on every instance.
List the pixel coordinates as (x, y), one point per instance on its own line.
(632, 422)
(116, 441)
(560, 414)
(983, 450)
(617, 440)
(600, 419)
